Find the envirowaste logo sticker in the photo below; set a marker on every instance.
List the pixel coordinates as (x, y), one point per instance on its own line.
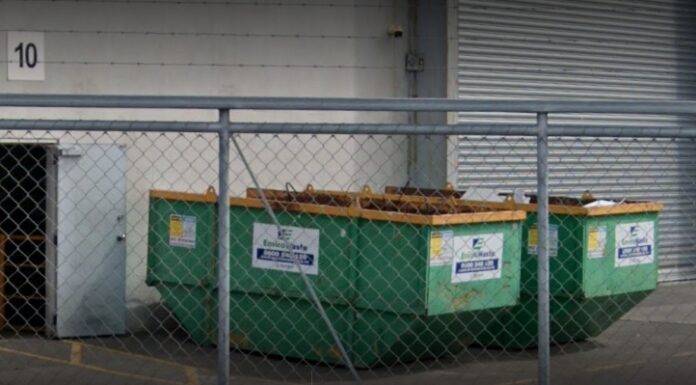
(635, 244)
(477, 244)
(477, 257)
(285, 249)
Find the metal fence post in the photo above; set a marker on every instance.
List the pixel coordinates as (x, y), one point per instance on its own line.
(543, 245)
(223, 255)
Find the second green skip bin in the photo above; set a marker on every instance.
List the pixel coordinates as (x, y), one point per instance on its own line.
(398, 280)
(603, 262)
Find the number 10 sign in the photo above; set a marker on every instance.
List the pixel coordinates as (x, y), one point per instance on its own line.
(25, 56)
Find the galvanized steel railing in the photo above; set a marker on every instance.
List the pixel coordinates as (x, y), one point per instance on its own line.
(224, 128)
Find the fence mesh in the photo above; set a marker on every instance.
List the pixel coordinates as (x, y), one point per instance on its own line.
(108, 260)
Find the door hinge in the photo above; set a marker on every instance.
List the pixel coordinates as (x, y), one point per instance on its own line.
(415, 62)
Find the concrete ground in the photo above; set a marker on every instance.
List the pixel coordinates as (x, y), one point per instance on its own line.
(653, 344)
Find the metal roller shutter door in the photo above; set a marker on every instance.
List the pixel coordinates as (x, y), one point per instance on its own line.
(586, 50)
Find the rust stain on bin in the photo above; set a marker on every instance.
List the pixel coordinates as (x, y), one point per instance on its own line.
(335, 353)
(462, 299)
(239, 341)
(332, 352)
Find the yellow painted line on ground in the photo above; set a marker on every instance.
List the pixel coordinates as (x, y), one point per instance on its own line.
(520, 382)
(615, 366)
(191, 375)
(590, 370)
(90, 367)
(188, 370)
(75, 353)
(601, 368)
(634, 363)
(135, 355)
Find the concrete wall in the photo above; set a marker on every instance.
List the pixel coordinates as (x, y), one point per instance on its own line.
(193, 48)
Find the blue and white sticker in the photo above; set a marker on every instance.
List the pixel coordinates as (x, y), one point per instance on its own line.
(285, 249)
(635, 244)
(477, 257)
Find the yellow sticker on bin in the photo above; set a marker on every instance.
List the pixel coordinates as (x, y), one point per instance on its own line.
(533, 240)
(176, 226)
(596, 241)
(441, 247)
(182, 231)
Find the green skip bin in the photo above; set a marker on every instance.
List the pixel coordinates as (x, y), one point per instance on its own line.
(400, 278)
(603, 262)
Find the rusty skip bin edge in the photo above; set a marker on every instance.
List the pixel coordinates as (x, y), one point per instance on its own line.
(480, 215)
(622, 208)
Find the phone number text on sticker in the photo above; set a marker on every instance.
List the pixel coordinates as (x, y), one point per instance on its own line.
(475, 266)
(286, 249)
(285, 257)
(477, 257)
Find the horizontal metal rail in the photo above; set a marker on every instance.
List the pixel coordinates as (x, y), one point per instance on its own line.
(351, 104)
(348, 128)
(108, 125)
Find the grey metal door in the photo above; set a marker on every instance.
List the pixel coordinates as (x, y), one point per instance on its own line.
(89, 266)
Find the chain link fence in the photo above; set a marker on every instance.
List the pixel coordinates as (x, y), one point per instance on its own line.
(342, 269)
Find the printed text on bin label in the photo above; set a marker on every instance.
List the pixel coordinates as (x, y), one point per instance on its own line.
(182, 231)
(635, 244)
(477, 257)
(287, 249)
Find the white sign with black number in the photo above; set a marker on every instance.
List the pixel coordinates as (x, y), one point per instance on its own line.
(25, 56)
(285, 249)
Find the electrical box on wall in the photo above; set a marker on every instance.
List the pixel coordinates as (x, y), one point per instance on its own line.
(415, 62)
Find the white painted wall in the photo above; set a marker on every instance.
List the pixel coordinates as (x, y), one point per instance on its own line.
(177, 58)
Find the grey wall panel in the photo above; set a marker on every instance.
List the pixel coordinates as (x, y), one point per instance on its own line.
(602, 49)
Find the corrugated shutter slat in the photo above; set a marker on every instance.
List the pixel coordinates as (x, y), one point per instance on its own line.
(601, 49)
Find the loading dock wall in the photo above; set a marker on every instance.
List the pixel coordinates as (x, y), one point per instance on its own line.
(350, 65)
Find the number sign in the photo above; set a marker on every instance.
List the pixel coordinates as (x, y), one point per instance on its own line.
(25, 56)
